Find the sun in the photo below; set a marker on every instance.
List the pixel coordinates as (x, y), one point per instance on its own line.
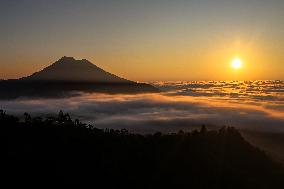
(237, 63)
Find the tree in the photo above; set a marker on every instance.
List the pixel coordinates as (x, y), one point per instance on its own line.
(203, 129)
(28, 117)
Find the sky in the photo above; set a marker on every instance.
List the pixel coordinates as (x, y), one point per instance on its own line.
(146, 40)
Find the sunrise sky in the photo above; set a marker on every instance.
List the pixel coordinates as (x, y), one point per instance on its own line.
(146, 40)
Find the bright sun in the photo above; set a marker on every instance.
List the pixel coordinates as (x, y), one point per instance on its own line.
(237, 63)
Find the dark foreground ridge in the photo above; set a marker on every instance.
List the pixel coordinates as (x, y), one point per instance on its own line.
(60, 152)
(66, 76)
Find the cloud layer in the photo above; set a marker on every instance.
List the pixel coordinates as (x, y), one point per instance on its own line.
(166, 112)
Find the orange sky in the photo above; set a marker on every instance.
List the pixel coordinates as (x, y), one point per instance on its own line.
(161, 40)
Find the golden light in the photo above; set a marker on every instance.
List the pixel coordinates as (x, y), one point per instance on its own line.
(237, 63)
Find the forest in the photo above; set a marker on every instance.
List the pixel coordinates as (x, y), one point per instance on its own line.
(59, 151)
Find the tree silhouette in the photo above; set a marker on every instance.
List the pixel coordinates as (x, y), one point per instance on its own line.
(203, 129)
(58, 151)
(28, 117)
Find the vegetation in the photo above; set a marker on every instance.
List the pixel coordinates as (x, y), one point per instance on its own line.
(59, 151)
(13, 89)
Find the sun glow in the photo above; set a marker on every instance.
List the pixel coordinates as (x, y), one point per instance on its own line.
(237, 63)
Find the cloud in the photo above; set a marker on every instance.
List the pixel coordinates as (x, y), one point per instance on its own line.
(158, 112)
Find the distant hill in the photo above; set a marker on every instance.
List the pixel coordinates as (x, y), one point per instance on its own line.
(66, 76)
(69, 69)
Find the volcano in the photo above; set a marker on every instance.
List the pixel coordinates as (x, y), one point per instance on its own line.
(68, 76)
(68, 69)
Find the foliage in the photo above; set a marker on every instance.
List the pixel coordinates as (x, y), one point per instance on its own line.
(59, 151)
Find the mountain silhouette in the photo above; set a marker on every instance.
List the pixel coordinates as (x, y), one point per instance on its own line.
(69, 69)
(68, 76)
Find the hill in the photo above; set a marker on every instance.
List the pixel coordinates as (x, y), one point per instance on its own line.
(67, 77)
(67, 69)
(61, 152)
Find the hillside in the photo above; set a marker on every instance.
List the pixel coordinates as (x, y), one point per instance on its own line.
(61, 152)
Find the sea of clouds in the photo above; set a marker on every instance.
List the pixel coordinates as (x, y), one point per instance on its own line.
(256, 105)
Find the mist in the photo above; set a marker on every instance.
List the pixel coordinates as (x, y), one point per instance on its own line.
(155, 112)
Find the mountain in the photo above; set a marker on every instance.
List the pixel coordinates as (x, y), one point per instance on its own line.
(68, 76)
(69, 69)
